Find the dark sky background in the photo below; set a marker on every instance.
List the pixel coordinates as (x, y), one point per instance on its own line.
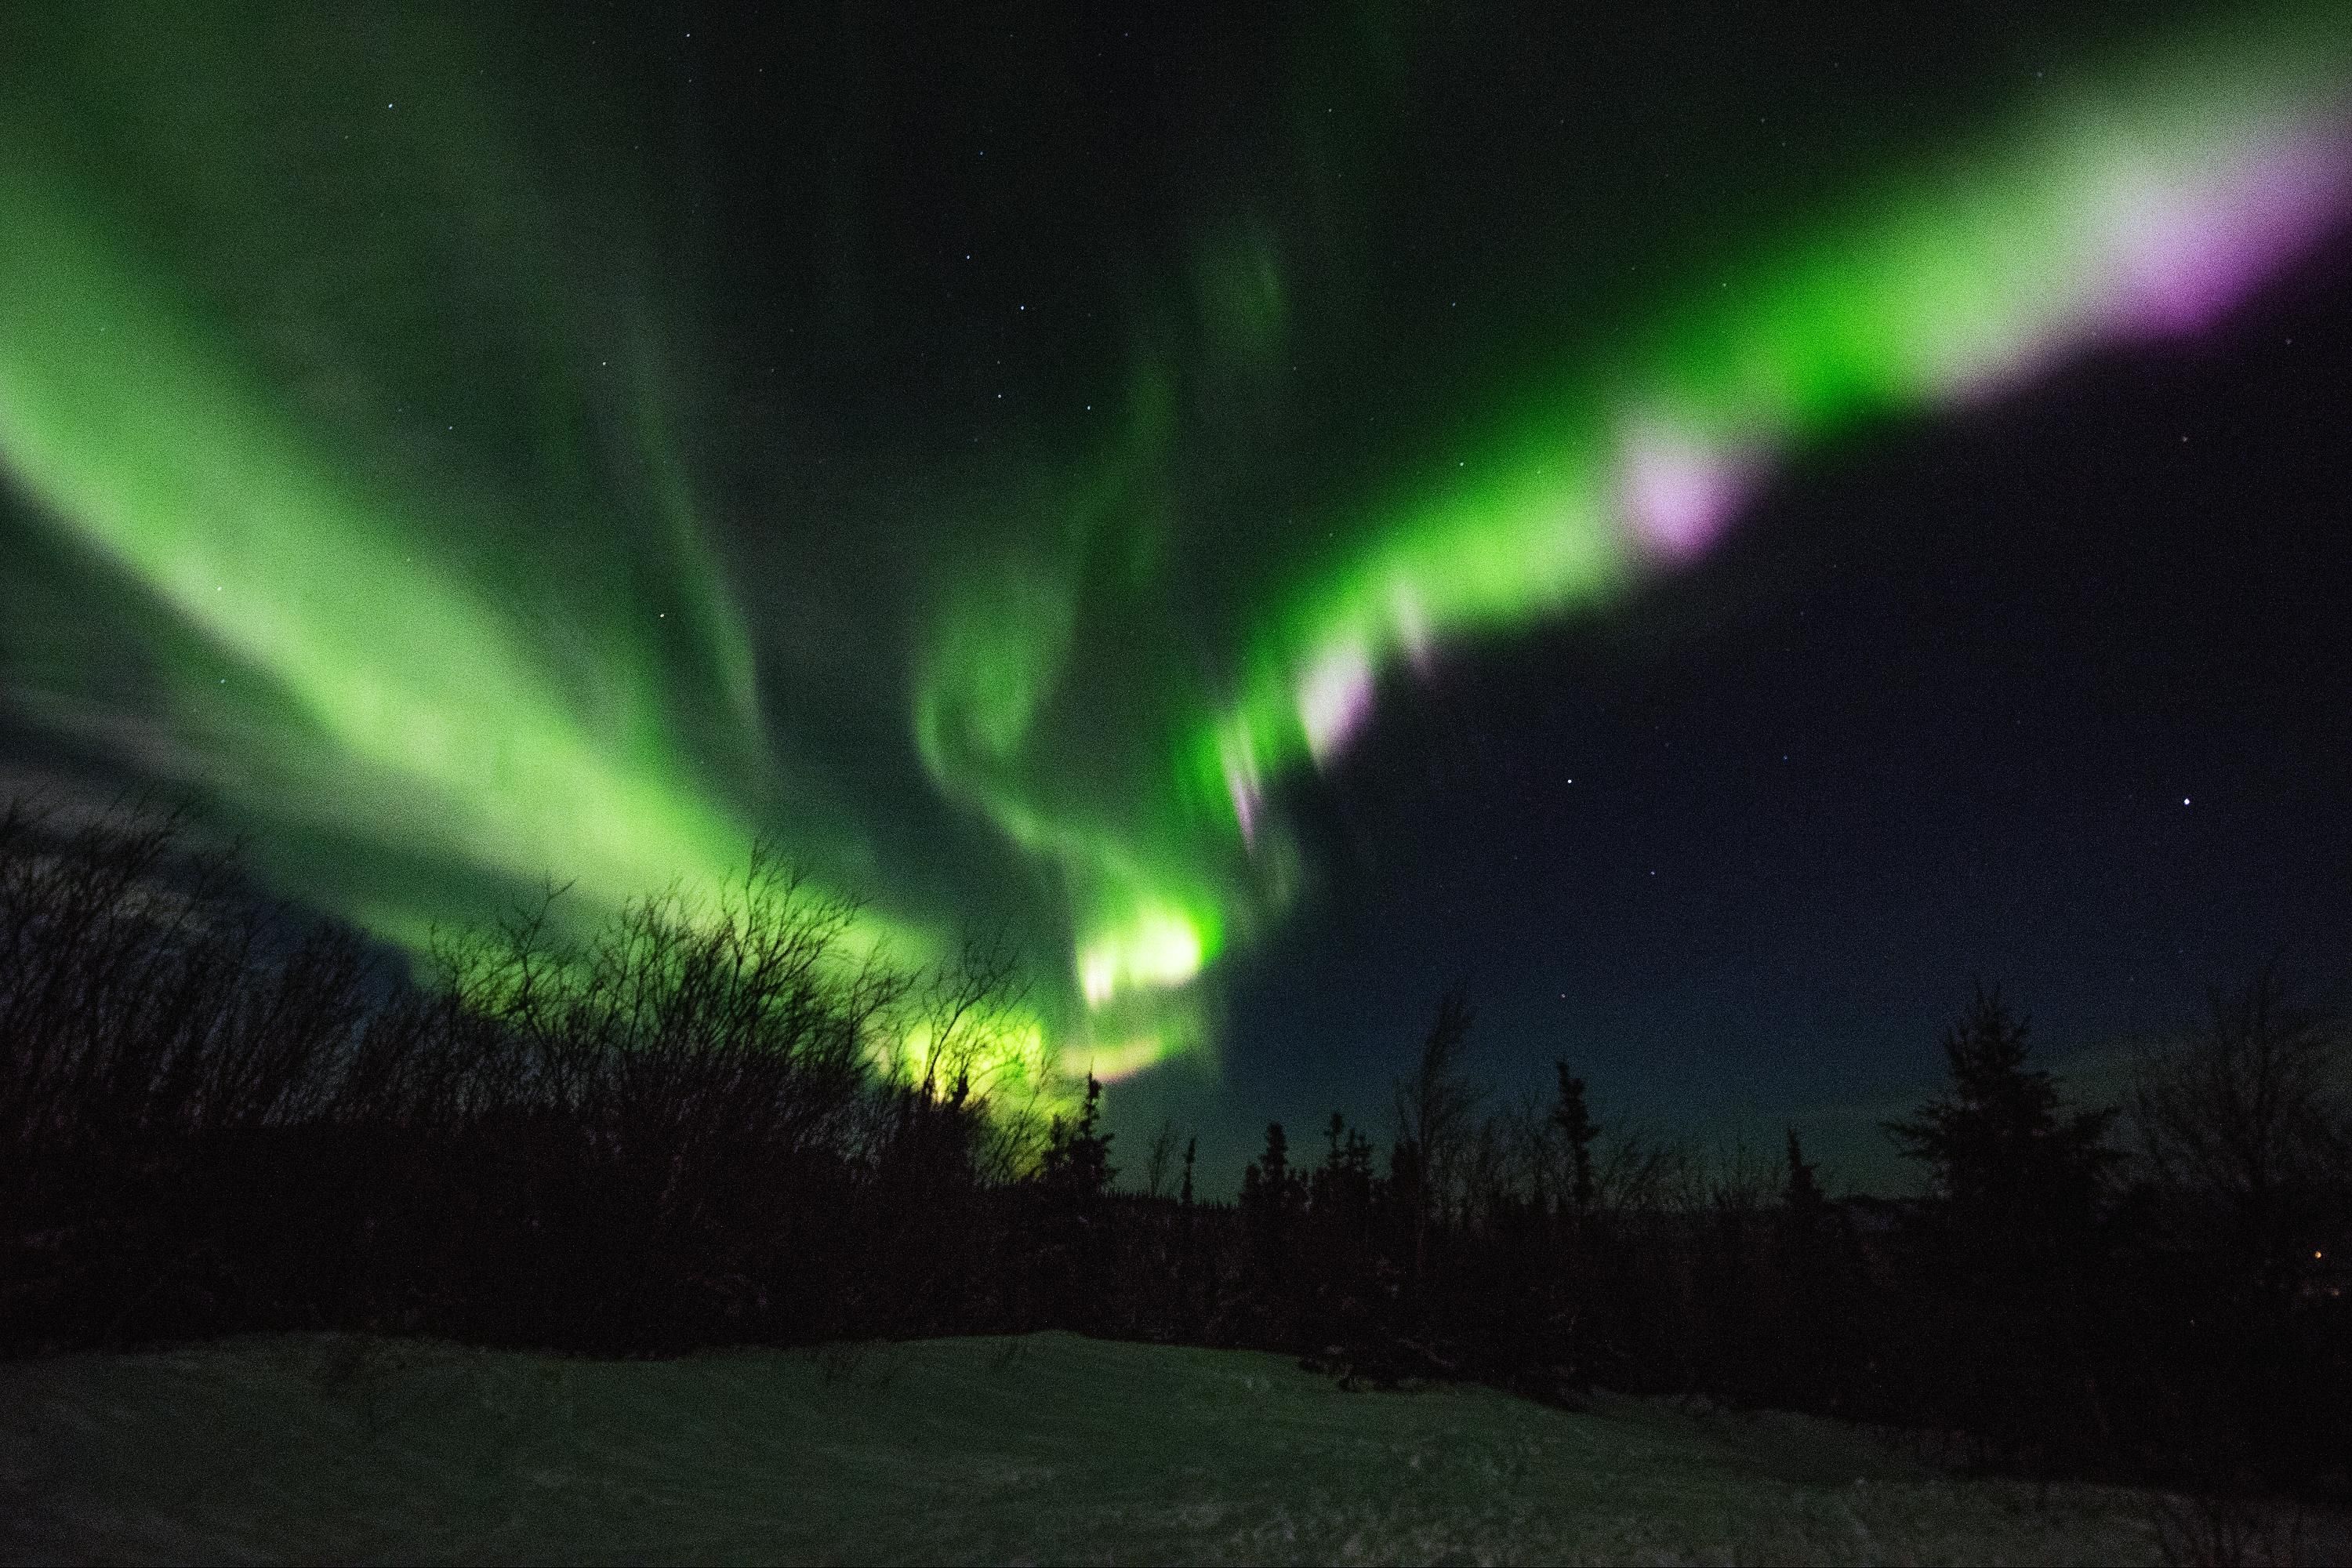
(1147, 310)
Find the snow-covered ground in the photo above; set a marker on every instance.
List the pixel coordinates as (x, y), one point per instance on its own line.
(1050, 1447)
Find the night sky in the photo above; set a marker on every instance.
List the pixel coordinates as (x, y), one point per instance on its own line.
(1724, 525)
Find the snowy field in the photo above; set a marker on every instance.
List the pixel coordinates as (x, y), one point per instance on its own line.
(1044, 1449)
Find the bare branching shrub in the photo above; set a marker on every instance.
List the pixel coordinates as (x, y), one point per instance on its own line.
(1640, 1170)
(605, 1135)
(1159, 1161)
(1434, 1105)
(2251, 1112)
(140, 1000)
(677, 1018)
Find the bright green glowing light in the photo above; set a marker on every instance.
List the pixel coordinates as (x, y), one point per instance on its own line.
(1158, 947)
(2146, 214)
(522, 656)
(1006, 1056)
(2143, 213)
(123, 421)
(388, 687)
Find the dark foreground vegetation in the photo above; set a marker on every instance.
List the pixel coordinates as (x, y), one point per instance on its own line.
(697, 1126)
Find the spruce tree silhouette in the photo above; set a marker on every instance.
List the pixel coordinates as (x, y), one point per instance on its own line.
(2012, 1237)
(1075, 1245)
(1803, 1194)
(2008, 1164)
(1076, 1166)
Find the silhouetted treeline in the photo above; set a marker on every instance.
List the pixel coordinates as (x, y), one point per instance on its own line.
(670, 1133)
(718, 1123)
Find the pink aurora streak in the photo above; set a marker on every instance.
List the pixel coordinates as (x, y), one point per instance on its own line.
(2187, 251)
(1678, 493)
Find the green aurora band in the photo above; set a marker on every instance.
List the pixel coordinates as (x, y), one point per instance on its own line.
(2144, 215)
(374, 631)
(354, 663)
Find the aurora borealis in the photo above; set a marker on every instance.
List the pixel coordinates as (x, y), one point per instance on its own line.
(464, 452)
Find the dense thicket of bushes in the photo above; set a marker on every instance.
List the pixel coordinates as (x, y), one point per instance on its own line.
(687, 1129)
(670, 1133)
